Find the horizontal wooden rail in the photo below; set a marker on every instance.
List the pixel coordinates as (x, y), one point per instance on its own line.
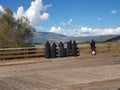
(29, 52)
(16, 53)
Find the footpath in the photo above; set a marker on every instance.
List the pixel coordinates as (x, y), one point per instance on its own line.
(42, 59)
(84, 72)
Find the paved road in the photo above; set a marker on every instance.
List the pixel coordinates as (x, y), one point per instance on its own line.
(73, 73)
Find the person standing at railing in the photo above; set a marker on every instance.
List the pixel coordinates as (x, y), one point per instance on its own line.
(93, 47)
(47, 50)
(61, 49)
(68, 49)
(53, 50)
(74, 49)
(70, 45)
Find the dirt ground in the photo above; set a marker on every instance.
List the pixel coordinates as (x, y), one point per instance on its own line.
(85, 72)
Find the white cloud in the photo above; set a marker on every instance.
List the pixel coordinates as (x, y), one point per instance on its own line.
(85, 31)
(20, 12)
(1, 8)
(35, 13)
(67, 23)
(114, 11)
(59, 30)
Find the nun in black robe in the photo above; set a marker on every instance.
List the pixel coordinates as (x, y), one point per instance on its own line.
(74, 49)
(70, 47)
(53, 50)
(61, 49)
(47, 50)
(68, 50)
(92, 45)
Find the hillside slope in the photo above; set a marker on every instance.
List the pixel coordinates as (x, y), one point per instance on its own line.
(42, 37)
(113, 39)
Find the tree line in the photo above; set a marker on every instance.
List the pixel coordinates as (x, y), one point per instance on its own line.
(14, 32)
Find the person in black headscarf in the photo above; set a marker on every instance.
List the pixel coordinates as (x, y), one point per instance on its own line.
(47, 50)
(68, 49)
(53, 50)
(93, 47)
(61, 49)
(74, 49)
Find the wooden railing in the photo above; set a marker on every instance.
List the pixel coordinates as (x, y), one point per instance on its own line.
(17, 53)
(38, 51)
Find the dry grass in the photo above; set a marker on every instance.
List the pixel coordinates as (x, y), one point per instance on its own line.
(110, 47)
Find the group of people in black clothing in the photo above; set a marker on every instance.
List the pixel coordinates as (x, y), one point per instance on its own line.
(71, 49)
(51, 51)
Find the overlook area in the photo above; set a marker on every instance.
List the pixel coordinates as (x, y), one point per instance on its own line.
(60, 45)
(85, 72)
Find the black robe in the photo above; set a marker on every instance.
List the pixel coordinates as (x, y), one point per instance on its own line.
(74, 49)
(53, 50)
(92, 45)
(70, 46)
(47, 50)
(61, 49)
(68, 49)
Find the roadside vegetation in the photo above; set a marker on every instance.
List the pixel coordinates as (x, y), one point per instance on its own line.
(14, 32)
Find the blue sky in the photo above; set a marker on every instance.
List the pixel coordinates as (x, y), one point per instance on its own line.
(69, 17)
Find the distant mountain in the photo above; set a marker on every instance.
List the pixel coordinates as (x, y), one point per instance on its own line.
(113, 39)
(42, 37)
(101, 38)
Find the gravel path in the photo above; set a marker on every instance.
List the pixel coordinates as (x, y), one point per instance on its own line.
(73, 73)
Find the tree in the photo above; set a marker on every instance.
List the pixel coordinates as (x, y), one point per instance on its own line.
(23, 32)
(6, 25)
(14, 33)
